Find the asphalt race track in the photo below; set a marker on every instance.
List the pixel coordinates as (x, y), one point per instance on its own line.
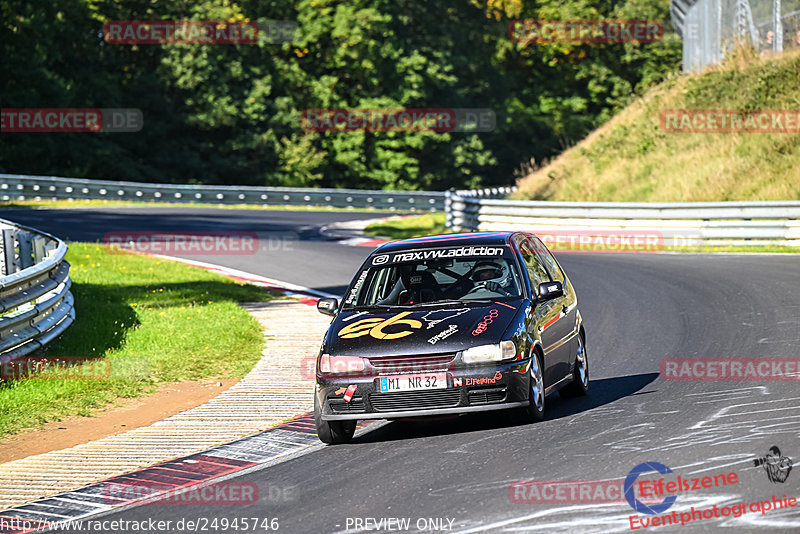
(290, 246)
(456, 473)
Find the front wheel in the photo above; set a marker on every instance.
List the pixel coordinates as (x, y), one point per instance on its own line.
(580, 376)
(534, 412)
(332, 432)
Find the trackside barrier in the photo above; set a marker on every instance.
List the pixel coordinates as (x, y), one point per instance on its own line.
(670, 223)
(36, 305)
(23, 187)
(675, 223)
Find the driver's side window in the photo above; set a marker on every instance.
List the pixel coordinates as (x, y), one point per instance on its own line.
(536, 272)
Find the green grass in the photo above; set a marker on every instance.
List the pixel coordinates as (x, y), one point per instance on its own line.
(632, 158)
(113, 203)
(408, 227)
(152, 320)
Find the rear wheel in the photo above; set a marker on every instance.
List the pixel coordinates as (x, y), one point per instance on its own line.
(534, 412)
(332, 432)
(580, 376)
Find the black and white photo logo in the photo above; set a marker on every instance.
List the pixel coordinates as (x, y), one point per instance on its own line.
(777, 466)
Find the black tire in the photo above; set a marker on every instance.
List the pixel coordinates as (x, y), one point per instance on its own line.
(332, 432)
(580, 375)
(534, 412)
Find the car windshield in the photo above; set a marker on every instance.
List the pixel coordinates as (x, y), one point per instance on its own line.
(419, 278)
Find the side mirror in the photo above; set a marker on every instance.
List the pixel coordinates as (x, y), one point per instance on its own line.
(550, 290)
(327, 306)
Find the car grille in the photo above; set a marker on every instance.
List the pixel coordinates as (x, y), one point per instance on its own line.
(356, 405)
(411, 364)
(486, 395)
(415, 400)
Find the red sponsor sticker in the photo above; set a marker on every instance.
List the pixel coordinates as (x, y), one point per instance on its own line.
(484, 380)
(481, 327)
(189, 243)
(349, 392)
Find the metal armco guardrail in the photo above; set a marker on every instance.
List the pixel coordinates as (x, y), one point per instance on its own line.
(674, 224)
(36, 305)
(22, 187)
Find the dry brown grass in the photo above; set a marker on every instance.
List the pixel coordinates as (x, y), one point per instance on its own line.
(631, 158)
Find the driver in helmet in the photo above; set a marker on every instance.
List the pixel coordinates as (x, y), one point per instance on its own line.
(493, 276)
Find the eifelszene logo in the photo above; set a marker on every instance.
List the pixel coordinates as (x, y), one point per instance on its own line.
(638, 505)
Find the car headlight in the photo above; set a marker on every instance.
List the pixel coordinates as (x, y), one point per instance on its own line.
(340, 364)
(489, 353)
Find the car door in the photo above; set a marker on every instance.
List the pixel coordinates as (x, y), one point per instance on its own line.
(563, 330)
(545, 314)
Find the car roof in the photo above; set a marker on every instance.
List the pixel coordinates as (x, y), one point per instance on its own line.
(438, 241)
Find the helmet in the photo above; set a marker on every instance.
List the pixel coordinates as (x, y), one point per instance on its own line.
(490, 271)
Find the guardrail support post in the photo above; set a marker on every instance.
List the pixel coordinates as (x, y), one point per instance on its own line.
(448, 209)
(25, 249)
(9, 252)
(39, 252)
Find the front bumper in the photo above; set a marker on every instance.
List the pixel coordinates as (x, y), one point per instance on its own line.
(474, 388)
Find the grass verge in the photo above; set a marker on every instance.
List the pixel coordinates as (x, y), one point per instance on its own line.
(149, 321)
(635, 157)
(408, 227)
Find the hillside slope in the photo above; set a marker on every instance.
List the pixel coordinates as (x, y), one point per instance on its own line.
(632, 158)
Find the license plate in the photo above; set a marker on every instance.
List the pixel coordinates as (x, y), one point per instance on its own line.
(412, 382)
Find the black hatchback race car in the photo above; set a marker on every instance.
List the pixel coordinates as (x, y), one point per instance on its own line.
(446, 325)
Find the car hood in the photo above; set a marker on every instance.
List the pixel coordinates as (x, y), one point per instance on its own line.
(419, 330)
